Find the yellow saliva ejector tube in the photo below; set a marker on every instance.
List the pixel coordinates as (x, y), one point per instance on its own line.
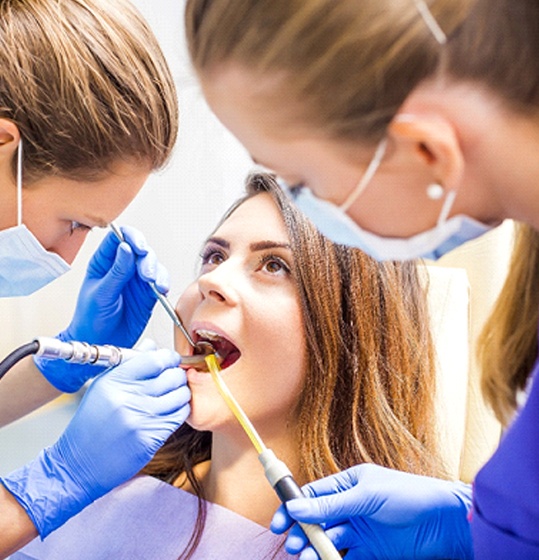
(232, 403)
(276, 471)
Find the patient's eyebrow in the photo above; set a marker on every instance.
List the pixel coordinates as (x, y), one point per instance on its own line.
(255, 246)
(264, 245)
(218, 241)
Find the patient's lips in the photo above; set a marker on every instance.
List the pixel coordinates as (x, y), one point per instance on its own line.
(226, 349)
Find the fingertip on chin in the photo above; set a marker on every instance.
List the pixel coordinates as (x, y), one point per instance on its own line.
(277, 527)
(294, 544)
(281, 522)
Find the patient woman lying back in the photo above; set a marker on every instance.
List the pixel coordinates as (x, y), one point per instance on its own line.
(329, 354)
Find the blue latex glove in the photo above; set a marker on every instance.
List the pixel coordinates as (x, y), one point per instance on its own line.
(380, 513)
(125, 416)
(114, 304)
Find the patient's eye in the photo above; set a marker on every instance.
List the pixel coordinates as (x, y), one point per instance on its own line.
(274, 264)
(212, 256)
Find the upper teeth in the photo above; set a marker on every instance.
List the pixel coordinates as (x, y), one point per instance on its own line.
(210, 335)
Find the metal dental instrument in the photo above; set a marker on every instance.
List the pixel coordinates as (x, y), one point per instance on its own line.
(202, 348)
(162, 298)
(104, 355)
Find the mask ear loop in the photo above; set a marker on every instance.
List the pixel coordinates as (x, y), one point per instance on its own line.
(368, 175)
(19, 183)
(446, 208)
(430, 22)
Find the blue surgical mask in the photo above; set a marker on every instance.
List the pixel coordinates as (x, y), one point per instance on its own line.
(25, 265)
(333, 222)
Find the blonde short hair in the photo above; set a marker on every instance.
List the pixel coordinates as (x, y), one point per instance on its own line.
(347, 65)
(86, 83)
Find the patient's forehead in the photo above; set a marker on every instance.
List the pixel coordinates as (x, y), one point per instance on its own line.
(256, 219)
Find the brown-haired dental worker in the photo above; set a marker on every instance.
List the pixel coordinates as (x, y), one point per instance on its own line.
(87, 110)
(405, 128)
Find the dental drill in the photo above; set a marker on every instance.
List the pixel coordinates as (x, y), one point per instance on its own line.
(76, 352)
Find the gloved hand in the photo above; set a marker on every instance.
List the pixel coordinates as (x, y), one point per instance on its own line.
(114, 304)
(125, 416)
(381, 513)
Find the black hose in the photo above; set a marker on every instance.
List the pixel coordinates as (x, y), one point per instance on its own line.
(25, 350)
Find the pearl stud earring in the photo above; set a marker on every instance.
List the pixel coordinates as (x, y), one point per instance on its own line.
(435, 191)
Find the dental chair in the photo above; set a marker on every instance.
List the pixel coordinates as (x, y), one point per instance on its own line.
(462, 288)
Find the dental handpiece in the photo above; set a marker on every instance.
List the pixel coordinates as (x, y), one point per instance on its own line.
(168, 307)
(77, 352)
(104, 355)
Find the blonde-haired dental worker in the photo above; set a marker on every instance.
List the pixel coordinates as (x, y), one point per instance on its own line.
(87, 110)
(405, 128)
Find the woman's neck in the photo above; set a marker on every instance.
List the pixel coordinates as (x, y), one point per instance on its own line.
(234, 478)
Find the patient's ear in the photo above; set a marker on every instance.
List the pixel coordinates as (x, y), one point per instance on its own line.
(431, 140)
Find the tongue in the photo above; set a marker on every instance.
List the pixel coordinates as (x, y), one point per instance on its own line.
(227, 350)
(230, 359)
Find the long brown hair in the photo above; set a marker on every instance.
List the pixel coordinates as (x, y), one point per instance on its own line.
(370, 375)
(86, 83)
(507, 346)
(347, 67)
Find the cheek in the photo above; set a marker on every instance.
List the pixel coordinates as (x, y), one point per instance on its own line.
(47, 227)
(294, 347)
(274, 392)
(281, 344)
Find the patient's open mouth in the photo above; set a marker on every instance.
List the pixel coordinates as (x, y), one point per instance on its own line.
(228, 352)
